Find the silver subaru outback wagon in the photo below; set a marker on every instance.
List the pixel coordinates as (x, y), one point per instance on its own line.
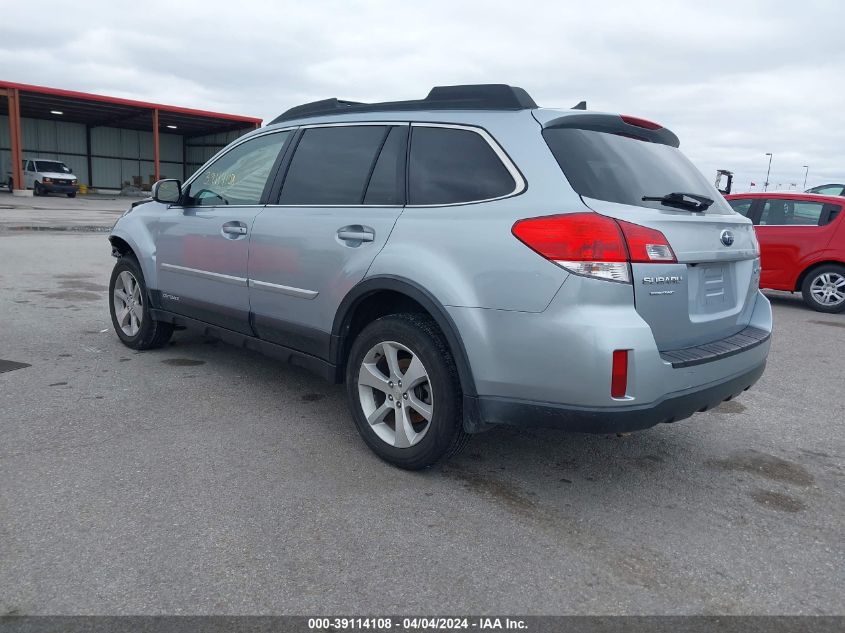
(461, 261)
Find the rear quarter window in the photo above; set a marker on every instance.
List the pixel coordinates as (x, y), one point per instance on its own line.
(743, 207)
(452, 165)
(830, 213)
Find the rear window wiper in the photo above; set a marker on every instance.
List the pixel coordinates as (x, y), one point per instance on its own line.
(681, 200)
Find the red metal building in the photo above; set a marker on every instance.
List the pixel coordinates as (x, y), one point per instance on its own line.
(106, 137)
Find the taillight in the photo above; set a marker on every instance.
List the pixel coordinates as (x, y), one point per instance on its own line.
(584, 243)
(645, 244)
(592, 244)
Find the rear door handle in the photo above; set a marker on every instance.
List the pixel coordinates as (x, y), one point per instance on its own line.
(233, 230)
(356, 233)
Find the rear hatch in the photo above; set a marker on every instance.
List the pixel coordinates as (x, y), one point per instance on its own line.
(613, 162)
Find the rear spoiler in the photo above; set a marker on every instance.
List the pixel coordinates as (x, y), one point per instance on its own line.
(631, 127)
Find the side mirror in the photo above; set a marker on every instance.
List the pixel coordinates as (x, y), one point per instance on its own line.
(168, 191)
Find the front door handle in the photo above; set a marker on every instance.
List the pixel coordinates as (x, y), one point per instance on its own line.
(356, 233)
(233, 230)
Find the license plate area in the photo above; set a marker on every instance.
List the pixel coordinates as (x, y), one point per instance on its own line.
(712, 288)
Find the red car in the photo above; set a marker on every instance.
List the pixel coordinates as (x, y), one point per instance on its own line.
(802, 244)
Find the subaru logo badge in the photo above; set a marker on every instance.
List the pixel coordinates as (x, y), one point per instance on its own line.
(727, 237)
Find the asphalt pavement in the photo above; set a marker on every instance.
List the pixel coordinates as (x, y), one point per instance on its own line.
(201, 478)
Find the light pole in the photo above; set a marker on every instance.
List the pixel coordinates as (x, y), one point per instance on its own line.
(806, 171)
(766, 184)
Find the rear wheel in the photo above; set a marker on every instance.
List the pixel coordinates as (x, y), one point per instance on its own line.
(71, 195)
(11, 184)
(130, 310)
(824, 288)
(404, 391)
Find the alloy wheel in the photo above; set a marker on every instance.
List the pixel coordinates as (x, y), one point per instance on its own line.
(128, 303)
(395, 394)
(828, 289)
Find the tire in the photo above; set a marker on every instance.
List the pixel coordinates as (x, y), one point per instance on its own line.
(824, 289)
(11, 185)
(71, 195)
(138, 329)
(36, 189)
(413, 337)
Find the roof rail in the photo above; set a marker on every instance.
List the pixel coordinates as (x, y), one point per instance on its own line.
(468, 97)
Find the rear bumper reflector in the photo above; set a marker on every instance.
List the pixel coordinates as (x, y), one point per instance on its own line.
(619, 374)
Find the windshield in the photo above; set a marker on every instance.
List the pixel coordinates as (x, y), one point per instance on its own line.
(52, 166)
(615, 168)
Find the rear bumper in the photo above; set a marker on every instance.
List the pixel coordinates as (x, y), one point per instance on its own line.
(490, 411)
(554, 368)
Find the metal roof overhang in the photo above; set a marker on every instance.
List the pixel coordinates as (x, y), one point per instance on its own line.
(36, 102)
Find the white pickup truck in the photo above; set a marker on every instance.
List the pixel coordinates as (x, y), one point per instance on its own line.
(45, 176)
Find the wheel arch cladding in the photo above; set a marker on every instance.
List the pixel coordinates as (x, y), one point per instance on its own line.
(379, 296)
(120, 247)
(142, 250)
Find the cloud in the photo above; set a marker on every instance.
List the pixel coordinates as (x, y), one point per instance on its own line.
(733, 80)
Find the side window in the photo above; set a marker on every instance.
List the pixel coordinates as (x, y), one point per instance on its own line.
(778, 212)
(238, 177)
(743, 207)
(828, 190)
(449, 165)
(331, 165)
(387, 183)
(27, 165)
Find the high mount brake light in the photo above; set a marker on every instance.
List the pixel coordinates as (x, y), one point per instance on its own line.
(593, 245)
(644, 123)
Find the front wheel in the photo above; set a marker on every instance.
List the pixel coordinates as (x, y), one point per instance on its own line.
(824, 289)
(11, 185)
(130, 310)
(37, 189)
(71, 195)
(404, 391)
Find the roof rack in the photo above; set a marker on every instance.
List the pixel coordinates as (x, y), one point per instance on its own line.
(468, 97)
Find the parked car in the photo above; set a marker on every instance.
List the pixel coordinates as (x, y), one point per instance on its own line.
(460, 261)
(45, 176)
(802, 243)
(834, 189)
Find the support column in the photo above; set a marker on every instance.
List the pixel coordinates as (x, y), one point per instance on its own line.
(13, 96)
(156, 166)
(88, 152)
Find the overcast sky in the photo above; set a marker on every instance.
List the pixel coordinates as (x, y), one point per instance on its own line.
(734, 79)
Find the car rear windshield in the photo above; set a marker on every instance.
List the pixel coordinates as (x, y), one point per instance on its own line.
(51, 166)
(616, 168)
